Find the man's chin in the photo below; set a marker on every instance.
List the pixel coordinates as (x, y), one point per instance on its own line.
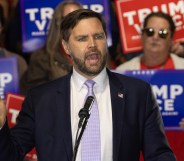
(93, 71)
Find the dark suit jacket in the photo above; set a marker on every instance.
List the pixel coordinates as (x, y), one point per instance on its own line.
(44, 122)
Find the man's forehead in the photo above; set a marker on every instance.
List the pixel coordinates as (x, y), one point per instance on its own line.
(88, 22)
(156, 21)
(86, 26)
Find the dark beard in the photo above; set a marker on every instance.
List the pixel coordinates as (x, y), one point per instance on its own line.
(88, 71)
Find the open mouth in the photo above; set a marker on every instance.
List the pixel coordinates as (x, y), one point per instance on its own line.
(93, 58)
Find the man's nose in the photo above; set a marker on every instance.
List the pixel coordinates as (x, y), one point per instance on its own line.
(92, 43)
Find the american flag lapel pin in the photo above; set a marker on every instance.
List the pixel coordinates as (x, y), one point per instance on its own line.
(120, 95)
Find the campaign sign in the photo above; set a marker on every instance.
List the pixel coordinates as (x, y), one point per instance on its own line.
(168, 87)
(14, 104)
(131, 14)
(9, 81)
(36, 17)
(100, 6)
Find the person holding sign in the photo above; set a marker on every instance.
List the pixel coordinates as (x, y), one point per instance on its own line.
(51, 62)
(49, 116)
(157, 39)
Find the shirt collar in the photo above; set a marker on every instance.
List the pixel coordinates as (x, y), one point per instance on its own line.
(101, 80)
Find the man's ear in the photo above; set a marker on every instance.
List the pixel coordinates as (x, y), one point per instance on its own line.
(65, 47)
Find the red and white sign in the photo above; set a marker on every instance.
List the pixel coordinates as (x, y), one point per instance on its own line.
(14, 104)
(131, 14)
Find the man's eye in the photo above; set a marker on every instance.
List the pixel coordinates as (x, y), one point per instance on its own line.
(101, 36)
(81, 39)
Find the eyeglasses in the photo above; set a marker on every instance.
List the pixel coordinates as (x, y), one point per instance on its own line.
(162, 33)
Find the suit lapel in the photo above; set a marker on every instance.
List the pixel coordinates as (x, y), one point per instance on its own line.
(118, 101)
(63, 108)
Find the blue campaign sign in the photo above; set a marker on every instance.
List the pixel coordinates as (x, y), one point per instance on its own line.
(100, 6)
(9, 81)
(168, 87)
(36, 16)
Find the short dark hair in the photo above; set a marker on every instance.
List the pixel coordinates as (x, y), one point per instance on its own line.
(73, 18)
(163, 15)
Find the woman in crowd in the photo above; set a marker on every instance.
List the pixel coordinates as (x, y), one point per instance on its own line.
(51, 62)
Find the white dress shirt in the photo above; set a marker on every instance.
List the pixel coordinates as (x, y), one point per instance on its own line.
(102, 93)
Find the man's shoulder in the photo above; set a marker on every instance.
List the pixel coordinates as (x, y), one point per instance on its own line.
(127, 80)
(130, 85)
(54, 85)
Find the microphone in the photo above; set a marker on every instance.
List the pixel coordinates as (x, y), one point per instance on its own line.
(84, 112)
(84, 116)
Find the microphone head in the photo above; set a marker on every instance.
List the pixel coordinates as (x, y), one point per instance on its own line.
(89, 102)
(84, 113)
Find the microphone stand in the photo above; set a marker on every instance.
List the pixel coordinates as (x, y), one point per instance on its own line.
(84, 115)
(78, 138)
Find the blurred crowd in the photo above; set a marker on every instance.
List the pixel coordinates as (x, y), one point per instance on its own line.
(51, 62)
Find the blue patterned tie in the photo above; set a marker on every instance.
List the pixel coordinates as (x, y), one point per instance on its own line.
(90, 144)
